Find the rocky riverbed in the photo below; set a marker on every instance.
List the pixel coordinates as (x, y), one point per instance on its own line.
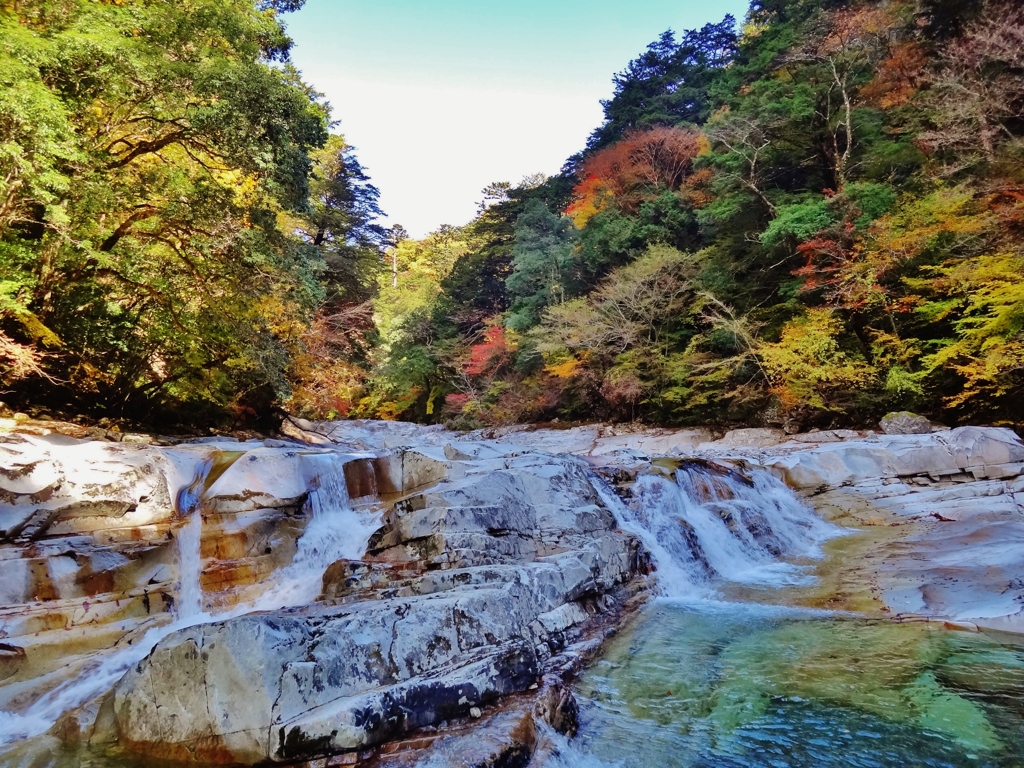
(389, 594)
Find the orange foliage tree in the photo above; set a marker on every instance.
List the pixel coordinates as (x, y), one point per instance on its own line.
(642, 164)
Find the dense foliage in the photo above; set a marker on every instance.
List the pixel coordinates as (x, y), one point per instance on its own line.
(173, 214)
(809, 220)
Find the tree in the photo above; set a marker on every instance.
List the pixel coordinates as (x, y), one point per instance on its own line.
(543, 269)
(148, 151)
(475, 289)
(979, 87)
(670, 83)
(616, 340)
(637, 168)
(341, 222)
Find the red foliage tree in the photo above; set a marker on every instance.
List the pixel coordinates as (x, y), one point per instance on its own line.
(639, 166)
(490, 354)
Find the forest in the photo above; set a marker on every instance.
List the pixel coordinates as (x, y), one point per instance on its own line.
(809, 217)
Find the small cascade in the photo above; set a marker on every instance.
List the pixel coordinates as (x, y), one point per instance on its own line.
(678, 571)
(704, 523)
(97, 677)
(188, 503)
(190, 592)
(335, 531)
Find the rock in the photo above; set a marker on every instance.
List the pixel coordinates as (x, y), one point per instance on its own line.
(289, 428)
(953, 541)
(905, 423)
(283, 688)
(494, 572)
(507, 739)
(12, 657)
(481, 574)
(752, 438)
(88, 537)
(981, 452)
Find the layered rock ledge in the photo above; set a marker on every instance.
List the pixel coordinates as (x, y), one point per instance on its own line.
(942, 517)
(512, 557)
(493, 571)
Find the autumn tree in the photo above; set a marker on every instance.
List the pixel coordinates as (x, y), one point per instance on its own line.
(635, 169)
(148, 153)
(977, 94)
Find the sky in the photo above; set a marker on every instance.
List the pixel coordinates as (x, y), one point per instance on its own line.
(442, 97)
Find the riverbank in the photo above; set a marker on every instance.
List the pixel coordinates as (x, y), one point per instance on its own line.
(377, 590)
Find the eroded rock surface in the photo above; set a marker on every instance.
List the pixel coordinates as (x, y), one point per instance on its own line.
(504, 561)
(494, 572)
(89, 550)
(948, 509)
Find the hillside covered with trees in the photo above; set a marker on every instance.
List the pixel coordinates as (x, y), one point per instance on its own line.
(176, 223)
(807, 218)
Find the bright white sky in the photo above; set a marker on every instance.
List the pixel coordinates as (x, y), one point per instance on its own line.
(442, 97)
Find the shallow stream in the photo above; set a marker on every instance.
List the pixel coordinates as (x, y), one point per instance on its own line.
(697, 681)
(729, 684)
(694, 680)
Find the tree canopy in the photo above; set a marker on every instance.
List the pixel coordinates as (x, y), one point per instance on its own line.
(806, 219)
(157, 161)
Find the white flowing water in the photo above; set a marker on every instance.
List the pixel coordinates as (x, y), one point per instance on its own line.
(699, 682)
(706, 526)
(335, 531)
(95, 678)
(190, 592)
(677, 574)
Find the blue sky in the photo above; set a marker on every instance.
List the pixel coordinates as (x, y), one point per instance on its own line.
(441, 98)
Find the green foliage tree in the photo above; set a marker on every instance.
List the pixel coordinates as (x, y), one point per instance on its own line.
(543, 265)
(149, 153)
(670, 83)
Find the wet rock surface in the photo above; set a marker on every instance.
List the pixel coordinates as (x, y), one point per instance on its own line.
(944, 513)
(496, 567)
(514, 555)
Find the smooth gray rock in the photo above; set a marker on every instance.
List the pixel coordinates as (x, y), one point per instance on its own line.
(520, 553)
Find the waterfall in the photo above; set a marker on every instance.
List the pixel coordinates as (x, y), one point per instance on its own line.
(95, 678)
(190, 593)
(704, 524)
(188, 503)
(335, 531)
(678, 572)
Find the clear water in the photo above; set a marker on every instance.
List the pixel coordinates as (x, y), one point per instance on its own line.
(700, 683)
(732, 685)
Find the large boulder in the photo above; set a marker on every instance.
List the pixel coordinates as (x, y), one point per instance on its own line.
(285, 687)
(905, 423)
(472, 585)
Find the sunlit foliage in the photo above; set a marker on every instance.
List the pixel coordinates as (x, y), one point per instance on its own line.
(805, 222)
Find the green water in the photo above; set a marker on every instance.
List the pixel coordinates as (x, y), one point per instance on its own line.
(732, 685)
